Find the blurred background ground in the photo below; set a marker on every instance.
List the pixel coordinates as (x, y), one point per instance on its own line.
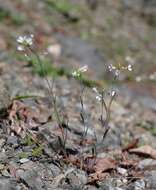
(88, 32)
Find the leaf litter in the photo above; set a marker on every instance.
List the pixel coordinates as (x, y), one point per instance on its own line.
(22, 117)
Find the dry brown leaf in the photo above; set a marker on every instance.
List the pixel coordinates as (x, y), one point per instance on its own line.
(104, 164)
(100, 167)
(131, 145)
(145, 150)
(23, 116)
(16, 105)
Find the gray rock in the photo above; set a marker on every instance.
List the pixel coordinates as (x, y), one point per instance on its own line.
(77, 179)
(81, 52)
(12, 140)
(139, 3)
(6, 173)
(110, 184)
(141, 97)
(90, 187)
(142, 6)
(134, 4)
(19, 172)
(1, 166)
(147, 163)
(48, 137)
(93, 4)
(149, 2)
(4, 96)
(2, 142)
(130, 187)
(32, 179)
(55, 170)
(28, 165)
(7, 184)
(151, 180)
(140, 184)
(148, 102)
(3, 157)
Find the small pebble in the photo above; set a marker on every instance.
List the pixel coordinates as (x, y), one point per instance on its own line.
(24, 160)
(122, 171)
(12, 140)
(1, 166)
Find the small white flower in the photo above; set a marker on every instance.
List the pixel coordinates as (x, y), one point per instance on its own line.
(129, 68)
(113, 93)
(95, 90)
(117, 72)
(29, 41)
(75, 74)
(20, 48)
(20, 39)
(83, 69)
(111, 67)
(25, 40)
(98, 97)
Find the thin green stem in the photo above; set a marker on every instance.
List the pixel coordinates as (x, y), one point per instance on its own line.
(51, 94)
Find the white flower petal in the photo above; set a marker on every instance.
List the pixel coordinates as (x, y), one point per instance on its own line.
(117, 72)
(20, 39)
(113, 93)
(83, 69)
(98, 98)
(95, 90)
(20, 48)
(129, 68)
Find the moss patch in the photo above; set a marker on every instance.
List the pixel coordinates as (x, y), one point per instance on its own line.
(38, 151)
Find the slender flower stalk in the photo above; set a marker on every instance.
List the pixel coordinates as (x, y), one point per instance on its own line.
(100, 96)
(25, 44)
(83, 115)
